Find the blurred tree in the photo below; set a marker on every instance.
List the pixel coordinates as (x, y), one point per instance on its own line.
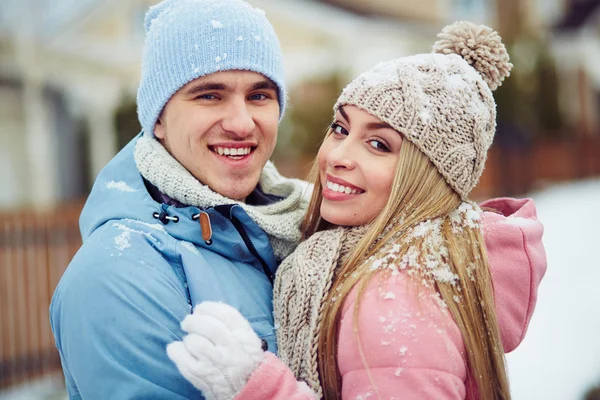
(512, 98)
(84, 153)
(549, 119)
(306, 120)
(529, 98)
(528, 110)
(310, 112)
(126, 122)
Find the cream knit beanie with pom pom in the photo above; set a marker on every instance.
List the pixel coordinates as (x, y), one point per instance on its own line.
(442, 102)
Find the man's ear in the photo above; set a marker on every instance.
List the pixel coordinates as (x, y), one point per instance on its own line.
(159, 128)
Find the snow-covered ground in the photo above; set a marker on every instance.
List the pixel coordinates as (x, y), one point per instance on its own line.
(560, 355)
(49, 388)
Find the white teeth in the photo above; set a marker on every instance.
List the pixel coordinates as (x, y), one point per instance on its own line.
(340, 188)
(232, 151)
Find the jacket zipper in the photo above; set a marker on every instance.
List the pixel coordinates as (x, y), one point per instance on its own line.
(244, 235)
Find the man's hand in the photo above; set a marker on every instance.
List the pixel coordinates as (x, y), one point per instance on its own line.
(220, 351)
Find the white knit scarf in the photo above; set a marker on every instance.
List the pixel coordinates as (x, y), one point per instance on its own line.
(280, 220)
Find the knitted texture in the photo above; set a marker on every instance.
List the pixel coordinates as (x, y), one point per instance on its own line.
(187, 39)
(219, 352)
(480, 46)
(301, 286)
(281, 220)
(441, 102)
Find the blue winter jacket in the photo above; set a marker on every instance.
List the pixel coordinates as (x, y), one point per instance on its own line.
(124, 294)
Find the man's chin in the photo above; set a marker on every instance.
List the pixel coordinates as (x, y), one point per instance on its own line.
(235, 192)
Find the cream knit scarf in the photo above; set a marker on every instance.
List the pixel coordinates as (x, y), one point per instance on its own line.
(281, 220)
(304, 279)
(301, 286)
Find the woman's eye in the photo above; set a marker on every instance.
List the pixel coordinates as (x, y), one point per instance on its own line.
(378, 145)
(336, 128)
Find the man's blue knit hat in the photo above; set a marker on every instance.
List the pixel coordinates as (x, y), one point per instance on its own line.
(187, 39)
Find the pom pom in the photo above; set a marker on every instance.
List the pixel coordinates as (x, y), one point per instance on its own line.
(480, 46)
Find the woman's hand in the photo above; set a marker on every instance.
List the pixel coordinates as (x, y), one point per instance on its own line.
(220, 351)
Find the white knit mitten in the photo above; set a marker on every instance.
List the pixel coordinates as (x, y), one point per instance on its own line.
(220, 351)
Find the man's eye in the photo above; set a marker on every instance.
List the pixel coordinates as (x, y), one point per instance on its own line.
(379, 145)
(206, 97)
(336, 128)
(258, 96)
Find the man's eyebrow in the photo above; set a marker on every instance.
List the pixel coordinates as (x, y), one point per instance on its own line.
(203, 87)
(265, 85)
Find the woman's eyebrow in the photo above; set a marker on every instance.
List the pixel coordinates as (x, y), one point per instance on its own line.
(371, 125)
(378, 125)
(341, 110)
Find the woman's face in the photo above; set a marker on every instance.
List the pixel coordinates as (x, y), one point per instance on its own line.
(357, 163)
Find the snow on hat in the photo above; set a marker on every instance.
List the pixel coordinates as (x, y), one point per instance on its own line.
(187, 39)
(442, 101)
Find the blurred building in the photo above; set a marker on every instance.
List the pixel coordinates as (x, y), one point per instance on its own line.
(571, 29)
(64, 67)
(434, 11)
(576, 43)
(68, 66)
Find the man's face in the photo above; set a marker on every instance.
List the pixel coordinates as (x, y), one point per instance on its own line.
(222, 128)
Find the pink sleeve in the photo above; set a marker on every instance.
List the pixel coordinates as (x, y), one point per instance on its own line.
(273, 380)
(517, 258)
(411, 346)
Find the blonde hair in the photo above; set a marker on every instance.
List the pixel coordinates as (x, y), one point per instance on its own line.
(419, 193)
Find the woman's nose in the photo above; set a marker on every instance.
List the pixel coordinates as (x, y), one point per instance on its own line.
(342, 156)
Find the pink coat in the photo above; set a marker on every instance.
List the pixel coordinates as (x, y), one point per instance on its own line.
(413, 348)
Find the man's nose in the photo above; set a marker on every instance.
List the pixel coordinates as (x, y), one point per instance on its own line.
(238, 119)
